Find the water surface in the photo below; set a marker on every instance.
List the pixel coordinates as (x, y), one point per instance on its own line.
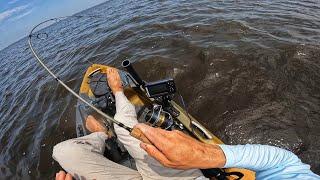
(248, 70)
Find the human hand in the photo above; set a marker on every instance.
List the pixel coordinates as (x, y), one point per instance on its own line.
(174, 149)
(114, 80)
(61, 175)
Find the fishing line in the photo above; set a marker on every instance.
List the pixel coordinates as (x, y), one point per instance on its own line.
(218, 173)
(37, 57)
(185, 108)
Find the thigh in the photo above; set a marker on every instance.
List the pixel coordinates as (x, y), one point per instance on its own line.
(83, 158)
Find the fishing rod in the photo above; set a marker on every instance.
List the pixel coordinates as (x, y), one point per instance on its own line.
(135, 132)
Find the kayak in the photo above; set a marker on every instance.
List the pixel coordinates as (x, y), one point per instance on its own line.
(168, 115)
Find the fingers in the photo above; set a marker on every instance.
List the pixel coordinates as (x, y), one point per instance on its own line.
(68, 177)
(114, 80)
(110, 70)
(60, 175)
(155, 135)
(155, 153)
(113, 72)
(110, 73)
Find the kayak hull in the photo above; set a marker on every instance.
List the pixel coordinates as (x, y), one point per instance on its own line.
(138, 98)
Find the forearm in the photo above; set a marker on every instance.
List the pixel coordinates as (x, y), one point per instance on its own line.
(212, 157)
(268, 162)
(257, 157)
(125, 111)
(122, 103)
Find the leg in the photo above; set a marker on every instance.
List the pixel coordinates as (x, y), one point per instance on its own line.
(83, 158)
(148, 167)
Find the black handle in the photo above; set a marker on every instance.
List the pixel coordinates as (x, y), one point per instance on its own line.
(128, 66)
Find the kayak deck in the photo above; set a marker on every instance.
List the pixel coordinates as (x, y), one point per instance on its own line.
(140, 102)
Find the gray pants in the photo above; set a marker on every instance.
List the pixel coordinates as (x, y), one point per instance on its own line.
(83, 157)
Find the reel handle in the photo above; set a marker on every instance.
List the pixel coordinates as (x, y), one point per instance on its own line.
(138, 134)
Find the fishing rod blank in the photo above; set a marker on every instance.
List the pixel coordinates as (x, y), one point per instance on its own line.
(135, 132)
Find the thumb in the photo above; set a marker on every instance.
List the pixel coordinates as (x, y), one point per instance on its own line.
(155, 153)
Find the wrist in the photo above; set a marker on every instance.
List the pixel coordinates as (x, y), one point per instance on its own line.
(116, 90)
(214, 156)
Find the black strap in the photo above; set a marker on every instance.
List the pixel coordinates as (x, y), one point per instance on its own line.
(220, 174)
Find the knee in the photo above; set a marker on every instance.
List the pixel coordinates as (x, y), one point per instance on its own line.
(64, 150)
(75, 148)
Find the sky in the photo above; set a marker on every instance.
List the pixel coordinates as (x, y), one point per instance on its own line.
(17, 17)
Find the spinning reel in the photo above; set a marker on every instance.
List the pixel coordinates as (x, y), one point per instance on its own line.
(157, 117)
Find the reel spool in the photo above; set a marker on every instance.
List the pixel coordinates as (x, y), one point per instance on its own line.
(157, 117)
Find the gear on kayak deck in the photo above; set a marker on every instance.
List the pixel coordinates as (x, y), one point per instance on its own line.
(155, 108)
(153, 102)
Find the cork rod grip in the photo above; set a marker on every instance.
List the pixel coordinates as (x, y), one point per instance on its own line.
(138, 134)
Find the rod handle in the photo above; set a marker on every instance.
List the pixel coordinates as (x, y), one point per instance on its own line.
(138, 134)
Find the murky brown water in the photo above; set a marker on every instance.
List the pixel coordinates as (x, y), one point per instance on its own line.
(250, 71)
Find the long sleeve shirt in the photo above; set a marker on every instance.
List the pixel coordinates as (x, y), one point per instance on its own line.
(267, 161)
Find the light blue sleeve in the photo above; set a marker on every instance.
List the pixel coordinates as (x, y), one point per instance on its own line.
(267, 161)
